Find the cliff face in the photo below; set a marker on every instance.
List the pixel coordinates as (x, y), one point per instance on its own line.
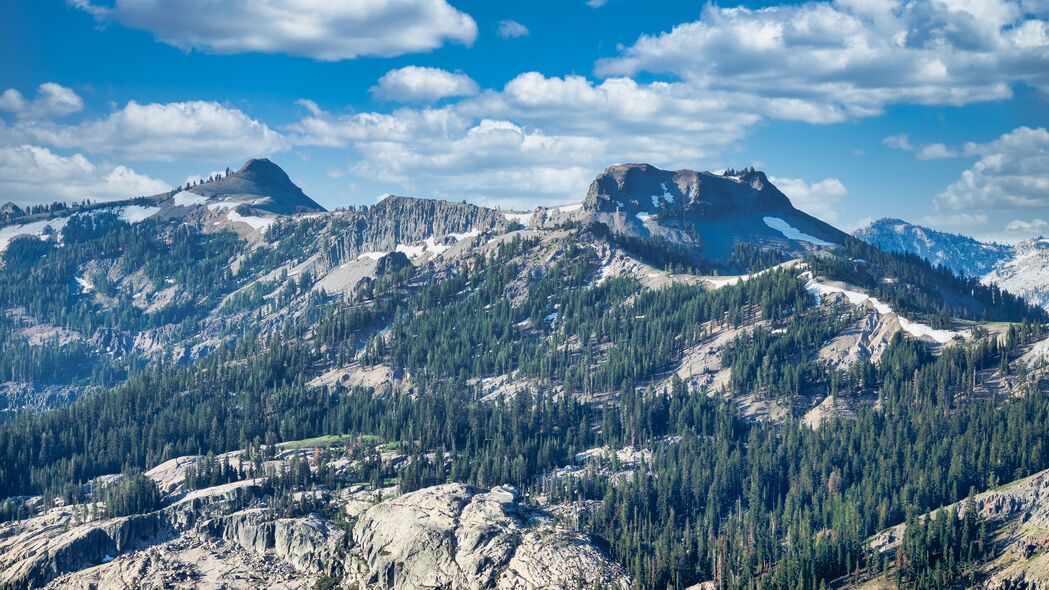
(710, 213)
(404, 222)
(450, 536)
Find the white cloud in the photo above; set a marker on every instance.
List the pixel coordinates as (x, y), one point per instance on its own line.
(826, 62)
(1017, 231)
(508, 29)
(52, 100)
(954, 220)
(596, 3)
(32, 174)
(1030, 227)
(900, 141)
(936, 151)
(418, 84)
(1012, 173)
(320, 29)
(540, 139)
(932, 151)
(195, 130)
(820, 199)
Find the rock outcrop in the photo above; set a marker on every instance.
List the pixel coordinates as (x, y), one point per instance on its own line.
(448, 536)
(709, 213)
(455, 536)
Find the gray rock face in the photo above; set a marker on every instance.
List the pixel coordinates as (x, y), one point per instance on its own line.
(35, 550)
(455, 536)
(401, 221)
(270, 187)
(709, 212)
(448, 536)
(307, 544)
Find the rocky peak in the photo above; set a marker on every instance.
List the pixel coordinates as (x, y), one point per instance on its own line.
(9, 209)
(263, 170)
(263, 185)
(643, 188)
(709, 213)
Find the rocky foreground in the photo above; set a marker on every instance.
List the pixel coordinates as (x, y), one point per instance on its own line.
(229, 536)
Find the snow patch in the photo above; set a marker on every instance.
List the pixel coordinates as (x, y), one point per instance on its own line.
(188, 199)
(259, 223)
(858, 299)
(793, 233)
(524, 219)
(137, 213)
(666, 196)
(36, 228)
(643, 216)
(568, 208)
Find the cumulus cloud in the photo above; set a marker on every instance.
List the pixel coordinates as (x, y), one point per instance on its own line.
(508, 29)
(826, 62)
(31, 174)
(936, 151)
(1012, 173)
(539, 137)
(418, 84)
(195, 130)
(52, 100)
(820, 199)
(932, 151)
(318, 29)
(1030, 227)
(900, 141)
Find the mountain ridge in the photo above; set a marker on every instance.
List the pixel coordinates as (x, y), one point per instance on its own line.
(1021, 269)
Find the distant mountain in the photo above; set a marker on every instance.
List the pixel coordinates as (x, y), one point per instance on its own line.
(964, 255)
(1022, 269)
(713, 212)
(263, 185)
(1026, 273)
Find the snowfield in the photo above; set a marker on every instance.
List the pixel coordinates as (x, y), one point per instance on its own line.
(36, 228)
(188, 199)
(793, 233)
(259, 223)
(137, 213)
(524, 219)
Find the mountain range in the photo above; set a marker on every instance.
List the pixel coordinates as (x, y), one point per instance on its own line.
(1022, 269)
(680, 381)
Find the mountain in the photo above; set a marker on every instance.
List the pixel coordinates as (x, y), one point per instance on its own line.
(710, 212)
(1021, 269)
(261, 184)
(964, 255)
(680, 381)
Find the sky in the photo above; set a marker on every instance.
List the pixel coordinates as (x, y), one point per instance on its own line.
(935, 112)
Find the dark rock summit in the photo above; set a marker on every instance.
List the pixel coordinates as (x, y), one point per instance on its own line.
(262, 184)
(712, 212)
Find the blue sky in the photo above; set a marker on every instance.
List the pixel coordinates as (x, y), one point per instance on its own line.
(932, 111)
